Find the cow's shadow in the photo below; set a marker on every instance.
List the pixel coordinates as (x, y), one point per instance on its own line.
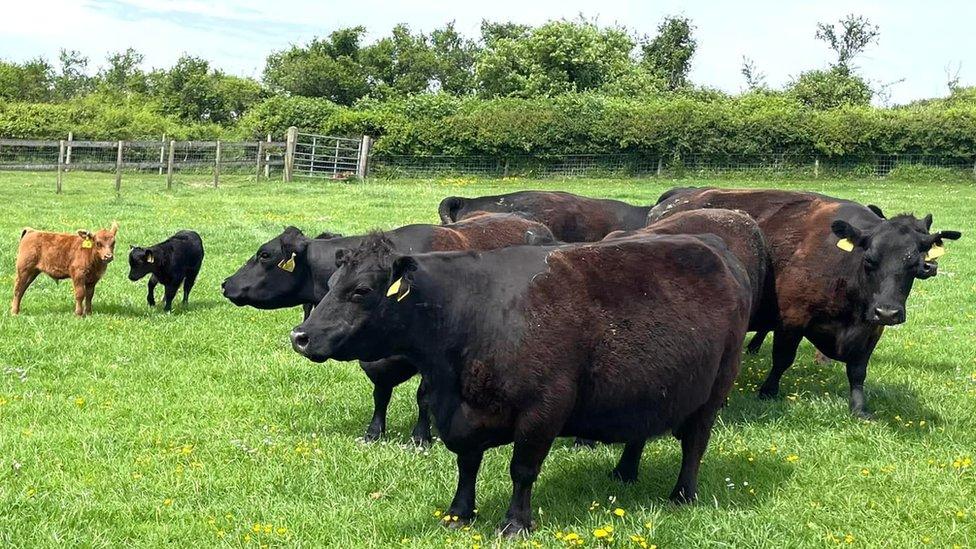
(571, 482)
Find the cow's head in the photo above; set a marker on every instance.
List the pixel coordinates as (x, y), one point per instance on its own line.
(274, 276)
(101, 242)
(141, 262)
(894, 253)
(359, 315)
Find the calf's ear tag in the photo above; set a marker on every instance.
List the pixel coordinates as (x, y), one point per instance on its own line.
(288, 264)
(150, 258)
(398, 289)
(86, 243)
(845, 244)
(934, 252)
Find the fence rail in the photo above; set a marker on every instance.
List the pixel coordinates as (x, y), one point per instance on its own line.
(308, 155)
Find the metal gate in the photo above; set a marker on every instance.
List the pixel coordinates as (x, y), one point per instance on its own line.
(328, 156)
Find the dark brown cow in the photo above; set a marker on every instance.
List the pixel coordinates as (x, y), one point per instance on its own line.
(615, 341)
(82, 257)
(263, 283)
(570, 217)
(842, 271)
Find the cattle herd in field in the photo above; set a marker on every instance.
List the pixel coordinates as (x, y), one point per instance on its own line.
(534, 315)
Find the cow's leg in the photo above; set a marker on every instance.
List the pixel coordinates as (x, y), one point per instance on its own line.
(756, 342)
(306, 310)
(188, 282)
(89, 294)
(385, 375)
(584, 443)
(626, 469)
(421, 431)
(81, 291)
(694, 434)
(785, 344)
(151, 296)
(857, 371)
(169, 293)
(24, 279)
(463, 505)
(531, 449)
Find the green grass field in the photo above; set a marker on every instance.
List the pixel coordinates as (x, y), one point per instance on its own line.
(203, 428)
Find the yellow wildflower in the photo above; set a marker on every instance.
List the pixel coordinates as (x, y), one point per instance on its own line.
(619, 512)
(600, 533)
(792, 458)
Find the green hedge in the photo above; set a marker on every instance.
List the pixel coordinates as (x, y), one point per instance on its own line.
(667, 125)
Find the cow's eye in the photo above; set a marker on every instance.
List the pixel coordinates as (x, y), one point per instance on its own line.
(361, 292)
(263, 256)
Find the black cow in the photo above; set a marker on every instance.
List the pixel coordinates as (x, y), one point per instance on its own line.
(615, 341)
(172, 262)
(265, 282)
(842, 271)
(570, 217)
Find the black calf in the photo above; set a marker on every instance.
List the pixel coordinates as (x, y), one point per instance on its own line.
(172, 262)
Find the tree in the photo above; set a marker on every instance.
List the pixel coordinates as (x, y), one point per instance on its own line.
(755, 78)
(668, 55)
(31, 81)
(124, 73)
(328, 68)
(831, 88)
(557, 57)
(400, 64)
(454, 56)
(73, 81)
(491, 32)
(849, 37)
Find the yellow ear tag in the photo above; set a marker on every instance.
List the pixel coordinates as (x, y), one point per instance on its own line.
(150, 258)
(86, 243)
(395, 288)
(845, 244)
(934, 252)
(403, 295)
(287, 264)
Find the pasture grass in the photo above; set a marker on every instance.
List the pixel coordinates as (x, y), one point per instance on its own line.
(203, 428)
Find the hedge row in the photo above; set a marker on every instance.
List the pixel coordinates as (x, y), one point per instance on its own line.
(569, 124)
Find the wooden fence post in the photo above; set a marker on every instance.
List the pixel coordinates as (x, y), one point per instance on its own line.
(363, 163)
(169, 165)
(67, 157)
(816, 167)
(660, 165)
(217, 164)
(60, 164)
(267, 160)
(257, 176)
(290, 152)
(162, 154)
(118, 169)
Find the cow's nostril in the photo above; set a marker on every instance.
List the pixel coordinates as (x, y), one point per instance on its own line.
(299, 340)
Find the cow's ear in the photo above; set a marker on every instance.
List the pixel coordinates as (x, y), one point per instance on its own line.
(300, 245)
(927, 222)
(849, 235)
(86, 234)
(115, 228)
(949, 235)
(877, 211)
(401, 278)
(326, 235)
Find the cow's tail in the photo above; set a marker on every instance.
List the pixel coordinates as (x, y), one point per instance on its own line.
(449, 208)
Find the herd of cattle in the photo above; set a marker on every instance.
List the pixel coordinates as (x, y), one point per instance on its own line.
(535, 315)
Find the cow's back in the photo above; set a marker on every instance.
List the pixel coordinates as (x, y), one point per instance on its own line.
(51, 253)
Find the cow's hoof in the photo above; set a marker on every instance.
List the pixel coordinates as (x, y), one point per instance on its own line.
(626, 477)
(372, 436)
(863, 415)
(422, 441)
(683, 496)
(584, 443)
(768, 394)
(457, 522)
(511, 528)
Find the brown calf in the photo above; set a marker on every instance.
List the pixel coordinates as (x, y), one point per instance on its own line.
(82, 257)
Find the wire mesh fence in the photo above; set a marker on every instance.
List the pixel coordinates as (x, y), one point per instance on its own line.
(778, 165)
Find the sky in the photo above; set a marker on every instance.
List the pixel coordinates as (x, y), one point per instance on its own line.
(919, 40)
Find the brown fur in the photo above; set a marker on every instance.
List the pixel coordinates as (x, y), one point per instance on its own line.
(483, 231)
(61, 256)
